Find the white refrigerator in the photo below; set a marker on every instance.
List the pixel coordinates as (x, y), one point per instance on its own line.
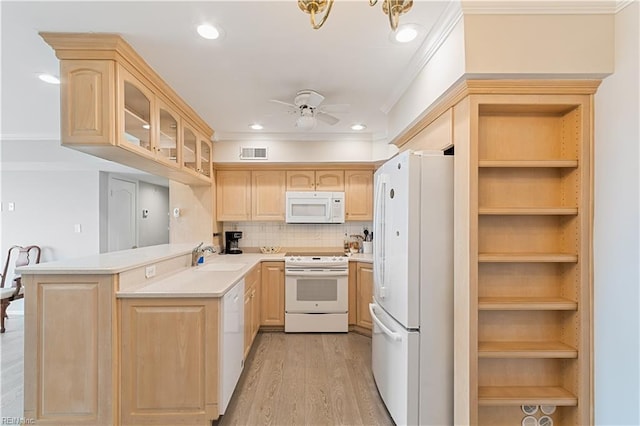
(412, 310)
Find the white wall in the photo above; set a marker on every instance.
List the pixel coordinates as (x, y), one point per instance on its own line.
(48, 205)
(616, 231)
(194, 224)
(298, 151)
(154, 229)
(443, 70)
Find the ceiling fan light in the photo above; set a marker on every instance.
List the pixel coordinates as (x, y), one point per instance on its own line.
(256, 126)
(306, 122)
(358, 126)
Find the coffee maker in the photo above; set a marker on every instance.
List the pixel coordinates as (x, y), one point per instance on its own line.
(231, 242)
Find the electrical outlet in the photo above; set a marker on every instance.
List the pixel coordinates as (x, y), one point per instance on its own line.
(150, 271)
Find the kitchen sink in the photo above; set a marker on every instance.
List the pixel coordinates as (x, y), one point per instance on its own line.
(221, 267)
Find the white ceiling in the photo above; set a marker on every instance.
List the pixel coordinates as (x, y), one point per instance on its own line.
(269, 51)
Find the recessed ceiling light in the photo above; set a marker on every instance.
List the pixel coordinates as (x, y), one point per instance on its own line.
(358, 126)
(256, 126)
(208, 31)
(405, 33)
(48, 78)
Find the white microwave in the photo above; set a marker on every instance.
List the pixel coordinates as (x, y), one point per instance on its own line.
(315, 207)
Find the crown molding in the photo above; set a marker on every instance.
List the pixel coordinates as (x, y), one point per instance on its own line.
(433, 41)
(465, 87)
(621, 4)
(541, 7)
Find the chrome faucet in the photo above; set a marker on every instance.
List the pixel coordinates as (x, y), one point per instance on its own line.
(199, 251)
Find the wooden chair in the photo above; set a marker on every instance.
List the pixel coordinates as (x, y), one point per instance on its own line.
(18, 256)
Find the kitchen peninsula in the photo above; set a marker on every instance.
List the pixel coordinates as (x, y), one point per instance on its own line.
(135, 336)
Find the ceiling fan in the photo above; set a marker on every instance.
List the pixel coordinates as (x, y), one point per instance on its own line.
(307, 108)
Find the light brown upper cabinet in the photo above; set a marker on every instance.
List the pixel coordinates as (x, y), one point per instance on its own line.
(135, 106)
(233, 195)
(315, 180)
(117, 108)
(358, 185)
(168, 140)
(243, 195)
(268, 195)
(196, 153)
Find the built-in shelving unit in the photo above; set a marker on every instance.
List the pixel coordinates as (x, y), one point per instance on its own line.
(533, 252)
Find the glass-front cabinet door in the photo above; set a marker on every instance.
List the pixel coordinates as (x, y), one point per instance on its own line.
(189, 147)
(136, 113)
(205, 157)
(167, 141)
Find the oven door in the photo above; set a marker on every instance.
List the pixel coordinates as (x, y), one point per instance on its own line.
(311, 290)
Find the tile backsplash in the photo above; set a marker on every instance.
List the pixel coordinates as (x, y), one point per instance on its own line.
(258, 234)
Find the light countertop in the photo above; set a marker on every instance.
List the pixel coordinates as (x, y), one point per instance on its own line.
(202, 281)
(110, 263)
(361, 257)
(213, 279)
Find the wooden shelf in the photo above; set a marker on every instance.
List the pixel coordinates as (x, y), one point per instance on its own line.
(525, 395)
(526, 304)
(532, 224)
(527, 258)
(528, 211)
(525, 350)
(529, 163)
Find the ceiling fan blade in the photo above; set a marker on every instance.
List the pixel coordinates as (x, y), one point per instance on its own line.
(327, 118)
(314, 99)
(335, 108)
(287, 104)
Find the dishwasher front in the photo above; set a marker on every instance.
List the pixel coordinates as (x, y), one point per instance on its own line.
(231, 343)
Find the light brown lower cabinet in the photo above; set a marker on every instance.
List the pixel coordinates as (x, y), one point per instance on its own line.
(169, 361)
(69, 373)
(364, 291)
(251, 307)
(360, 295)
(272, 294)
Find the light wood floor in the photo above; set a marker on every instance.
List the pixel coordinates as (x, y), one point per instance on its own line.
(288, 379)
(12, 367)
(307, 379)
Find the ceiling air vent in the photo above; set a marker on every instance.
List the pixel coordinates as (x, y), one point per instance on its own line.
(253, 153)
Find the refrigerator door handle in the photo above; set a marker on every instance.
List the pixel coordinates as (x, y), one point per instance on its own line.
(379, 216)
(394, 336)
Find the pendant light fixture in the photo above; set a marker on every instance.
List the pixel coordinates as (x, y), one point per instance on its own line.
(393, 8)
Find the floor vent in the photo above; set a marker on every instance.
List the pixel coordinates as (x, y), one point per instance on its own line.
(253, 153)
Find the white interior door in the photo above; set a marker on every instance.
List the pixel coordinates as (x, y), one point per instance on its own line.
(121, 216)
